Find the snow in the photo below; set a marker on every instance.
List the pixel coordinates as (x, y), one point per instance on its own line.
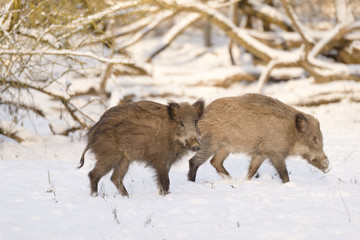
(311, 206)
(44, 195)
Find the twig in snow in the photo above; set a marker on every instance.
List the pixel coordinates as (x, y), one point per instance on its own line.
(212, 183)
(116, 219)
(52, 187)
(347, 210)
(148, 220)
(102, 191)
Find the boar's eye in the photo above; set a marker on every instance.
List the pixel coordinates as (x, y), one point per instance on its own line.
(315, 140)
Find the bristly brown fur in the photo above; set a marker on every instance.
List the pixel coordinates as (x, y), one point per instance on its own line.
(144, 131)
(261, 127)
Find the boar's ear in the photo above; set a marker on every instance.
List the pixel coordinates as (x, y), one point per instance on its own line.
(300, 122)
(173, 109)
(199, 107)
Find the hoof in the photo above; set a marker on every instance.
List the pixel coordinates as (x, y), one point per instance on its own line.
(163, 192)
(125, 194)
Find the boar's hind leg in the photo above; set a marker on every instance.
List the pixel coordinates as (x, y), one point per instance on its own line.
(280, 166)
(255, 163)
(195, 162)
(118, 175)
(217, 161)
(98, 172)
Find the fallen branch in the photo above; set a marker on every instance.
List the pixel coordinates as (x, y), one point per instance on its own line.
(331, 36)
(239, 35)
(276, 63)
(328, 98)
(267, 14)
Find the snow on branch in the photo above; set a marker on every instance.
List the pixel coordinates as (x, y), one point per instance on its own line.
(66, 52)
(336, 33)
(305, 55)
(278, 63)
(79, 24)
(269, 14)
(108, 13)
(239, 35)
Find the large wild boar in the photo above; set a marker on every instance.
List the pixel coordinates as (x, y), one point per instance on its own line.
(144, 131)
(261, 127)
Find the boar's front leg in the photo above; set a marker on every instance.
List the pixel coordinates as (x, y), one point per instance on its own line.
(255, 164)
(196, 161)
(163, 181)
(118, 175)
(280, 166)
(218, 160)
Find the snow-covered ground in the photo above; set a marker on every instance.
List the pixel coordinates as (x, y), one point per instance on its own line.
(44, 196)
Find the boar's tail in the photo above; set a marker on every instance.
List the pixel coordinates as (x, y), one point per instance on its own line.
(82, 160)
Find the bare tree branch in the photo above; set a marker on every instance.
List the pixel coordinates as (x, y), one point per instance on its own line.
(308, 40)
(267, 14)
(71, 108)
(173, 33)
(159, 18)
(65, 52)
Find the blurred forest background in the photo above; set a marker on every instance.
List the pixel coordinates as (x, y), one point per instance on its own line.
(45, 45)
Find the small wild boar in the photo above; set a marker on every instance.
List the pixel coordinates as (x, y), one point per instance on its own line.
(261, 127)
(144, 131)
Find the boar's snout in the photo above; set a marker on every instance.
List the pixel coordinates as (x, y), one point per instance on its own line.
(321, 163)
(326, 166)
(195, 148)
(193, 144)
